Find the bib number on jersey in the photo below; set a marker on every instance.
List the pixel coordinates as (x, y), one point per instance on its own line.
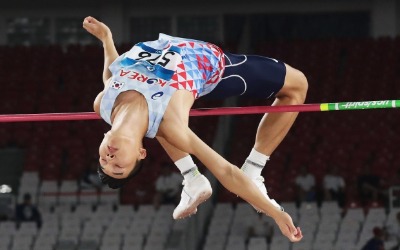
(164, 59)
(167, 59)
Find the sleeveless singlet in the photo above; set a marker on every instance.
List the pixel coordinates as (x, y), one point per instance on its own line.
(157, 69)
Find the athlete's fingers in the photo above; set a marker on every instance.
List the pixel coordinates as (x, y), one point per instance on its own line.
(92, 20)
(292, 228)
(296, 237)
(85, 23)
(89, 22)
(299, 232)
(91, 28)
(86, 20)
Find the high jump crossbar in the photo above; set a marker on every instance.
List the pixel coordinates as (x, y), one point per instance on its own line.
(338, 106)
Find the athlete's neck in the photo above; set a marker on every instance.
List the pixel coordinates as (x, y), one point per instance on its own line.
(130, 118)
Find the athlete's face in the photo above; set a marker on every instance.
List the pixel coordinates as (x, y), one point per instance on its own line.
(119, 155)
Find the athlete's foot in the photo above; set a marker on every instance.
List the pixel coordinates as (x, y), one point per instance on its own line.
(194, 192)
(259, 181)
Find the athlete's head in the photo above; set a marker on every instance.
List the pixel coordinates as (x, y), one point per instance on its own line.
(120, 157)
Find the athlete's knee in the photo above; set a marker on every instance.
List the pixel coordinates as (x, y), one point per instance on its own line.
(301, 86)
(295, 86)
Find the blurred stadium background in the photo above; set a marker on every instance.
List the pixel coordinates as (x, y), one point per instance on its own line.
(348, 49)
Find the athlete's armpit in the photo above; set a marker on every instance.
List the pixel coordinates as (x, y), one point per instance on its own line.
(97, 101)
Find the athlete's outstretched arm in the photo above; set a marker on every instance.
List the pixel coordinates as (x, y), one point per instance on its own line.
(103, 33)
(231, 177)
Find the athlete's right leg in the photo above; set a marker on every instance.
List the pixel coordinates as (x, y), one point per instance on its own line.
(274, 126)
(196, 187)
(263, 77)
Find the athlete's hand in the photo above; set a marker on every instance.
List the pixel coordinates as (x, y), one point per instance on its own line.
(96, 28)
(287, 227)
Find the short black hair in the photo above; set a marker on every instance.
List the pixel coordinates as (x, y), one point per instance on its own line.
(115, 183)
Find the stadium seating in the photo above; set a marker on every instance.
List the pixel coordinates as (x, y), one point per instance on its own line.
(328, 230)
(56, 154)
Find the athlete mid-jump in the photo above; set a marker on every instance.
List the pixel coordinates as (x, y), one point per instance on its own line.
(149, 91)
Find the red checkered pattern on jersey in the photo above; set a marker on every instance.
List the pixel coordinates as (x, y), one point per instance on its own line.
(200, 65)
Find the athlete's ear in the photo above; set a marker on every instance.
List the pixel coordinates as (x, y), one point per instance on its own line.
(142, 153)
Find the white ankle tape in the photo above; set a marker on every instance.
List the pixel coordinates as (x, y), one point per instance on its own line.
(185, 164)
(258, 157)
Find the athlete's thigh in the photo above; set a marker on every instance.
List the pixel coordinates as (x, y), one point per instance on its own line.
(250, 76)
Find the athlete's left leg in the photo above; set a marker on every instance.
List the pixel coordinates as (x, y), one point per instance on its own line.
(196, 187)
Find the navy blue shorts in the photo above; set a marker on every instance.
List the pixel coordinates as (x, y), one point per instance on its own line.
(250, 76)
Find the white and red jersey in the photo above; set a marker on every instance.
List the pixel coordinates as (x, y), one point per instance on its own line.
(158, 68)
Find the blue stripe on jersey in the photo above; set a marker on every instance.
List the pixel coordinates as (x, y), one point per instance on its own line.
(158, 70)
(175, 49)
(163, 73)
(148, 49)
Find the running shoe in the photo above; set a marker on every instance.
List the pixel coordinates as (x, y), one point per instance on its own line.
(259, 181)
(194, 192)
